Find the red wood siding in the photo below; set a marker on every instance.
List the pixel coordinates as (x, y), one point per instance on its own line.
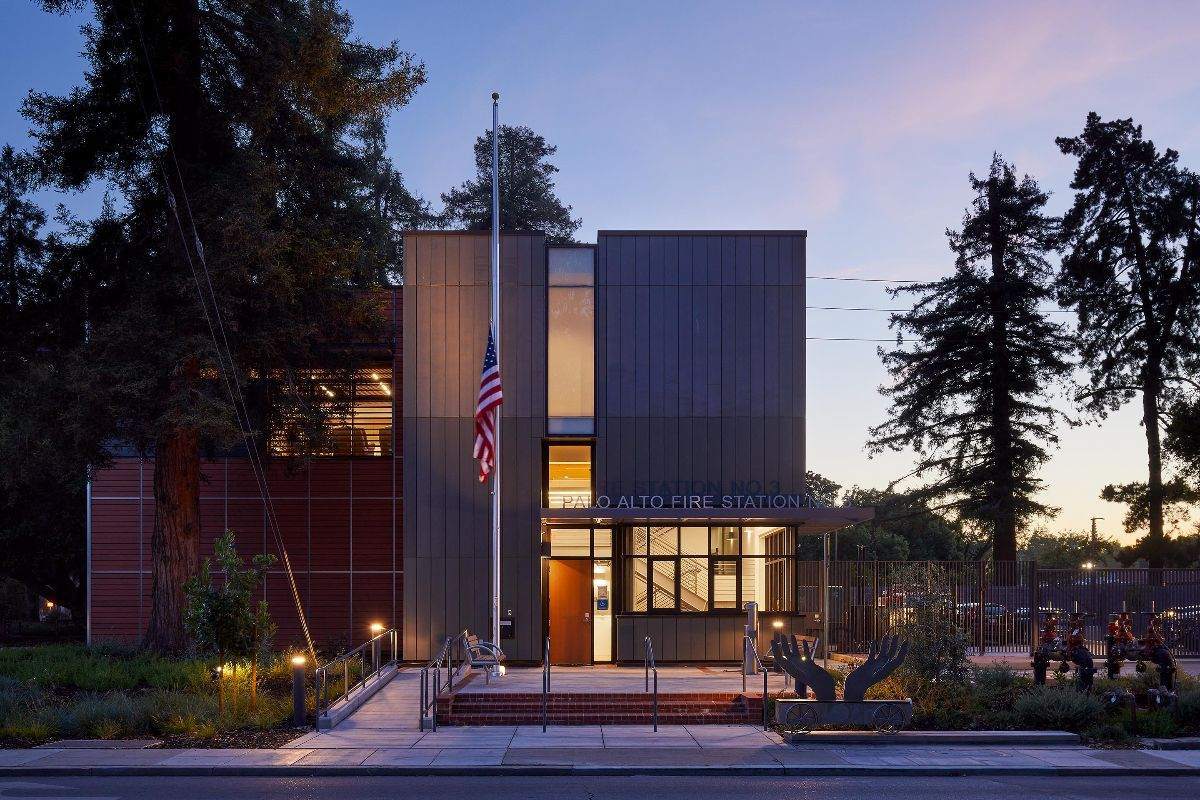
(340, 521)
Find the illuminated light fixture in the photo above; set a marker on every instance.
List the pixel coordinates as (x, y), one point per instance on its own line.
(376, 628)
(777, 624)
(386, 389)
(326, 389)
(299, 661)
(1088, 565)
(600, 582)
(599, 569)
(374, 376)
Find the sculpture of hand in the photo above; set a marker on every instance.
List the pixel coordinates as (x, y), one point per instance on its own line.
(799, 664)
(882, 658)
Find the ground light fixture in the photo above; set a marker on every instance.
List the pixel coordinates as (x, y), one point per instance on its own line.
(298, 704)
(1089, 565)
(376, 631)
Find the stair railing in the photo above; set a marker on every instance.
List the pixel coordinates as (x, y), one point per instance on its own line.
(749, 648)
(651, 669)
(545, 681)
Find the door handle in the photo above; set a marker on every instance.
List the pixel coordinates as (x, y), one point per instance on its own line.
(587, 616)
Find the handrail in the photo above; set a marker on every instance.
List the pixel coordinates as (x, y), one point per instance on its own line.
(545, 681)
(749, 647)
(432, 683)
(369, 666)
(651, 667)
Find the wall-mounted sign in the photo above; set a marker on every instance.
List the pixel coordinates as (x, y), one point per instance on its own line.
(653, 501)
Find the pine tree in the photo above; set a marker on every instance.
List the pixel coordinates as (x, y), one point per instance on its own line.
(1131, 270)
(527, 198)
(969, 397)
(234, 130)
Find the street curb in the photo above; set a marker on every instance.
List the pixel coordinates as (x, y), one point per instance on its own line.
(549, 770)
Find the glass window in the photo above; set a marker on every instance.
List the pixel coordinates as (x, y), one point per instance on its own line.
(569, 476)
(725, 589)
(570, 542)
(693, 584)
(664, 541)
(693, 541)
(724, 541)
(693, 569)
(636, 593)
(570, 340)
(355, 406)
(603, 542)
(663, 572)
(570, 266)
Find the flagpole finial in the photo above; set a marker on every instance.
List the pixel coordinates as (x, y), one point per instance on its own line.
(495, 97)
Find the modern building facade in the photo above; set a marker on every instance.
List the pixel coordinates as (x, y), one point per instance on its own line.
(652, 447)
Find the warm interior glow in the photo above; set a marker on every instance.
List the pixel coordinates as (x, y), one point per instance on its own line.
(569, 479)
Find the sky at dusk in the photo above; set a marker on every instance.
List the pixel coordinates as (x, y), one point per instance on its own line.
(857, 122)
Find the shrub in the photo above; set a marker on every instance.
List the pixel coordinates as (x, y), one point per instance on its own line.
(1187, 711)
(1055, 708)
(1110, 733)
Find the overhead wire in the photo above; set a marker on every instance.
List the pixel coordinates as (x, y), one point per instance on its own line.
(225, 363)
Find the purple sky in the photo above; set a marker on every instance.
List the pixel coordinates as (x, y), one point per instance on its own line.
(857, 122)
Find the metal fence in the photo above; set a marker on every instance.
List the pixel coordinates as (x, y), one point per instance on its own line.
(1001, 605)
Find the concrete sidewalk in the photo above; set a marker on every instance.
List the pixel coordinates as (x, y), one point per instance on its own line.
(701, 749)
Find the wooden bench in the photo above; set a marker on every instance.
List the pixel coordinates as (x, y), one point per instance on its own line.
(484, 655)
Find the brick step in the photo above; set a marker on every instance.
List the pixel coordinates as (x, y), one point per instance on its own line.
(593, 719)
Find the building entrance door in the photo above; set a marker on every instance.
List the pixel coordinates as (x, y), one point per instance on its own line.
(570, 611)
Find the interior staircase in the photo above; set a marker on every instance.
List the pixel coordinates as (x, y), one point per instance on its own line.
(582, 708)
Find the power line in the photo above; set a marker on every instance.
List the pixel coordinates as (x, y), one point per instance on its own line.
(902, 310)
(860, 280)
(844, 339)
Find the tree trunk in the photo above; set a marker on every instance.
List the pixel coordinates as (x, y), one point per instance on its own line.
(175, 545)
(1156, 541)
(1004, 520)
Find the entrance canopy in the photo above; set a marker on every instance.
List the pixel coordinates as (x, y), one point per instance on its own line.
(804, 520)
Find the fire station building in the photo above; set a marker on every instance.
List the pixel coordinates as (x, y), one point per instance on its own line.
(652, 454)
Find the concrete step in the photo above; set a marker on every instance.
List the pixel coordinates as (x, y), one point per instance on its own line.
(581, 708)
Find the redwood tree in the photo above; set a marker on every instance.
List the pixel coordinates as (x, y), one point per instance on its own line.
(238, 132)
(1131, 269)
(970, 395)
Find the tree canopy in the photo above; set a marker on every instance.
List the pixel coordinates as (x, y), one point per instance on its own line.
(241, 147)
(969, 395)
(527, 195)
(1131, 270)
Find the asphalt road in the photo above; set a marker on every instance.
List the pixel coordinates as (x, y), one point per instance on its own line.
(593, 788)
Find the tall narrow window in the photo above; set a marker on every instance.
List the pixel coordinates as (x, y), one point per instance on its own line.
(570, 340)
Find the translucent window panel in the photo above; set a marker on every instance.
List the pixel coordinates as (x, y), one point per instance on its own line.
(693, 541)
(602, 609)
(752, 582)
(724, 541)
(724, 583)
(571, 542)
(693, 584)
(770, 541)
(569, 476)
(664, 541)
(570, 352)
(636, 541)
(779, 584)
(663, 574)
(570, 266)
(602, 541)
(636, 589)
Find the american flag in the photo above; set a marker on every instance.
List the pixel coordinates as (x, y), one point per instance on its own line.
(490, 398)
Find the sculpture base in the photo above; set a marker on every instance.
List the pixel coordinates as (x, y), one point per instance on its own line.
(885, 716)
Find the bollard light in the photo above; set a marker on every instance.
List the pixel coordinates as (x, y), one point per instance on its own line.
(298, 705)
(376, 629)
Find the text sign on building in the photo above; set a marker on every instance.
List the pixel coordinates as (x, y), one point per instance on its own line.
(655, 501)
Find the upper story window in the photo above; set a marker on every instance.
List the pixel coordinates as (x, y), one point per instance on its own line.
(568, 475)
(357, 411)
(570, 340)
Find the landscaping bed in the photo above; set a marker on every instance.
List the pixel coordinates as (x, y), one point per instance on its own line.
(75, 692)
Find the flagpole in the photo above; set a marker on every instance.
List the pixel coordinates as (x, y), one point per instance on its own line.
(496, 334)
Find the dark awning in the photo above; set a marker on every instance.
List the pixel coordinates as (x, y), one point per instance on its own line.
(805, 520)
